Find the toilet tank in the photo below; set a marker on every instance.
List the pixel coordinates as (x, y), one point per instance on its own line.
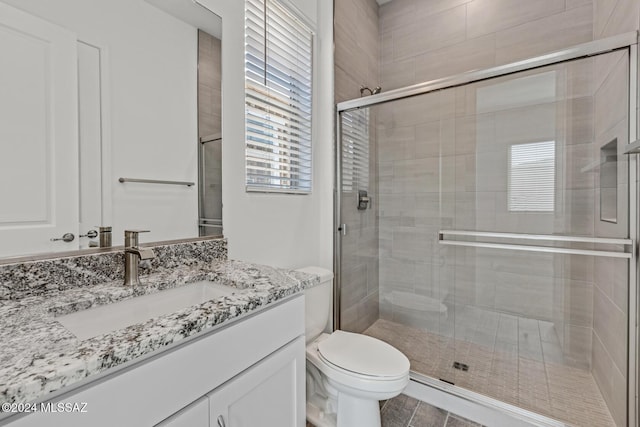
(318, 303)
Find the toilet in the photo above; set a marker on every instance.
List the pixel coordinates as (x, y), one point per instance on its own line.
(347, 373)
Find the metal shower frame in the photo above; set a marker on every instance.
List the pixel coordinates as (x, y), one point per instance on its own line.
(627, 41)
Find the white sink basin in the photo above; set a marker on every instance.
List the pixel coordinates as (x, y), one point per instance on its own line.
(112, 317)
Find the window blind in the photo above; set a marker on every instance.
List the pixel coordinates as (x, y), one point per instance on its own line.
(532, 173)
(278, 76)
(355, 150)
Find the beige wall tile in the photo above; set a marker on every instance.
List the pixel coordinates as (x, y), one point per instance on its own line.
(428, 142)
(354, 284)
(577, 345)
(579, 214)
(602, 369)
(474, 133)
(416, 176)
(490, 16)
(433, 32)
(572, 4)
(525, 124)
(544, 35)
(607, 318)
(579, 303)
(345, 86)
(529, 296)
(469, 55)
(397, 74)
(623, 18)
(576, 159)
(398, 13)
(610, 100)
(618, 405)
(576, 119)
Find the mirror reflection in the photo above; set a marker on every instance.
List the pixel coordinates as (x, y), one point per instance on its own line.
(109, 110)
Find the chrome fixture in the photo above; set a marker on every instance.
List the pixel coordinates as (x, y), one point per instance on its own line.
(105, 236)
(375, 90)
(539, 237)
(363, 200)
(632, 148)
(132, 256)
(92, 234)
(157, 181)
(66, 237)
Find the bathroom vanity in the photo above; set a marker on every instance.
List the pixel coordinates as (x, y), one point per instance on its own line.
(251, 372)
(237, 359)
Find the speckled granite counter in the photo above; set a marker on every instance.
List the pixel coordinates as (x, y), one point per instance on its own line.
(38, 355)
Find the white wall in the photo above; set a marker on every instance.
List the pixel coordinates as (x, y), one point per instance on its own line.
(280, 230)
(150, 72)
(158, 142)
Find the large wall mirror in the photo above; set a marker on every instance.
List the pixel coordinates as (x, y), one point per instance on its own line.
(110, 115)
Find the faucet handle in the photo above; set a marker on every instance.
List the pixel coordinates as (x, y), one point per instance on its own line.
(131, 237)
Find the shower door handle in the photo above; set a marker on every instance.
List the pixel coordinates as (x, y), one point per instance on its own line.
(343, 229)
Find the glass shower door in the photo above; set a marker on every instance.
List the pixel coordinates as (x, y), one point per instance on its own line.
(540, 239)
(494, 249)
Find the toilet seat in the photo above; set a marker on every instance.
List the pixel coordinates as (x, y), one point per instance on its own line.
(363, 356)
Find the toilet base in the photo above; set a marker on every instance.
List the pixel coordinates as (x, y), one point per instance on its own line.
(319, 418)
(354, 411)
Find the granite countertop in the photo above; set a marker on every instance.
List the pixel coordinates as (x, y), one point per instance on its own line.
(38, 355)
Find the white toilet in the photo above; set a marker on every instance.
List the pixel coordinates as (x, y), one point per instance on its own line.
(347, 373)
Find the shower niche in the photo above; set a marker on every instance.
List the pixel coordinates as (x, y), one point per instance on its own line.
(609, 181)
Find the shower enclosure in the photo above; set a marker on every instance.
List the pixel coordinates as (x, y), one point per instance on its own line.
(497, 250)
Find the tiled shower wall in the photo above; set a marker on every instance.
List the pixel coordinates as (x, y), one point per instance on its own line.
(356, 64)
(426, 39)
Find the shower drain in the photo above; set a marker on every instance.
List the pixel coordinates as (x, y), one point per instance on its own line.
(462, 366)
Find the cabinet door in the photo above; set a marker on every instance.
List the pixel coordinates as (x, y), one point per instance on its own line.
(269, 394)
(194, 415)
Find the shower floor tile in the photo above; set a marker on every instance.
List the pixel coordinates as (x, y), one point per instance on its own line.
(521, 370)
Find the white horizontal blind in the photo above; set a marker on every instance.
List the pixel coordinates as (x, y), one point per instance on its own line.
(532, 177)
(355, 150)
(278, 64)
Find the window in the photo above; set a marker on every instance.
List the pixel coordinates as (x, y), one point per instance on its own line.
(355, 150)
(278, 63)
(532, 172)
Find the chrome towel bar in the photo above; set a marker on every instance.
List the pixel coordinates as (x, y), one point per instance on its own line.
(157, 181)
(539, 237)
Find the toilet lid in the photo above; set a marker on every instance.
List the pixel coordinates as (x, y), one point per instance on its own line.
(363, 355)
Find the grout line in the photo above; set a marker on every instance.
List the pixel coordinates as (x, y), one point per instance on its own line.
(413, 414)
(446, 420)
(544, 366)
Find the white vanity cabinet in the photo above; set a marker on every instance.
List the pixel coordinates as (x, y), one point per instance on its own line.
(264, 395)
(250, 372)
(194, 415)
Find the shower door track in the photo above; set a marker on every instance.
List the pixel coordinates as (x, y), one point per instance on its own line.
(583, 50)
(623, 41)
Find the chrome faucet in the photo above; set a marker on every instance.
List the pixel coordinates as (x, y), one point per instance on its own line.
(132, 255)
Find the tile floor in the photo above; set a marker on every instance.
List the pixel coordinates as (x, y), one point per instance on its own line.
(405, 411)
(516, 373)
